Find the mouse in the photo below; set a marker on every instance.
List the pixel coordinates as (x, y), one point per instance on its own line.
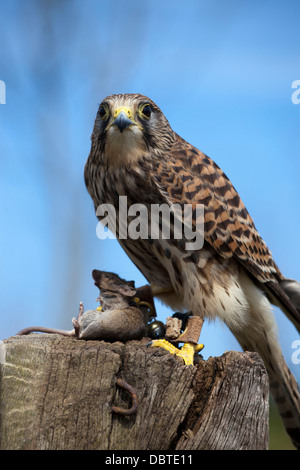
(123, 313)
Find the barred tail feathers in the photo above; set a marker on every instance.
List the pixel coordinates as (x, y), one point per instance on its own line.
(260, 336)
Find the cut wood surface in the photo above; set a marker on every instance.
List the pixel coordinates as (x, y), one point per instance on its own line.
(58, 393)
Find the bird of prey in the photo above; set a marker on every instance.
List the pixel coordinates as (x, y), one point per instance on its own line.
(233, 277)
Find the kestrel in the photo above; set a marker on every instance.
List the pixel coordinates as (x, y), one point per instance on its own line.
(233, 277)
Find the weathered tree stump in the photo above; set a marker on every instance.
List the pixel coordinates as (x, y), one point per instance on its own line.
(58, 393)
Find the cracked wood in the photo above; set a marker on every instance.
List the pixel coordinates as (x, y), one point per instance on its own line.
(58, 393)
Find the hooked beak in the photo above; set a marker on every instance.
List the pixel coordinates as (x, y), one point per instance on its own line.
(122, 121)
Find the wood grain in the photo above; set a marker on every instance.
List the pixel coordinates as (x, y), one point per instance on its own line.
(58, 393)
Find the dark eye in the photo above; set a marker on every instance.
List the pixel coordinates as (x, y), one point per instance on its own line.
(146, 110)
(103, 112)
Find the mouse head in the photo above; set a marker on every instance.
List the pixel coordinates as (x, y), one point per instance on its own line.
(111, 282)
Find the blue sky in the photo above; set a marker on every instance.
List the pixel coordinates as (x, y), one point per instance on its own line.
(222, 73)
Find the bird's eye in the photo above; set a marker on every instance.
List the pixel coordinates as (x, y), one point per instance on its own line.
(103, 112)
(146, 111)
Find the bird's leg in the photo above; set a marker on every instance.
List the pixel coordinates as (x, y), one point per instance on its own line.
(187, 351)
(189, 337)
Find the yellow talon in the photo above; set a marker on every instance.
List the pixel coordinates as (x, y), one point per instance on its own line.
(199, 347)
(186, 352)
(99, 308)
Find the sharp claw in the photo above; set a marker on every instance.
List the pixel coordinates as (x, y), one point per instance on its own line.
(199, 347)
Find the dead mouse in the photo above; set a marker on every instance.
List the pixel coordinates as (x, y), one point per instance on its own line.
(123, 313)
(116, 320)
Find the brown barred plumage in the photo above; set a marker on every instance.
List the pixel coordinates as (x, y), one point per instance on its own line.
(135, 153)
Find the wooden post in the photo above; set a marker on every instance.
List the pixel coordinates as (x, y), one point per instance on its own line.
(58, 393)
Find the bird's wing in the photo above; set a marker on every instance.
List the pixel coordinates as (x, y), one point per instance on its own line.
(187, 176)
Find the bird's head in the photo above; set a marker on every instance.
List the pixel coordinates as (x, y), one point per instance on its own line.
(128, 127)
